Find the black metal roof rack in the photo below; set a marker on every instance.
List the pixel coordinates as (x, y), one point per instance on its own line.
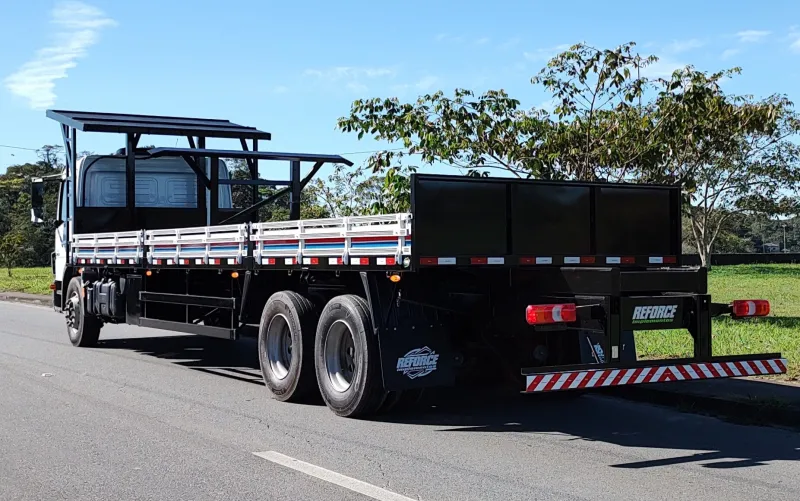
(88, 121)
(196, 131)
(258, 155)
(294, 184)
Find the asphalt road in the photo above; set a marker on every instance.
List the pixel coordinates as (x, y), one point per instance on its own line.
(181, 418)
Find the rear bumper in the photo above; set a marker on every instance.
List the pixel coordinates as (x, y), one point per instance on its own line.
(655, 372)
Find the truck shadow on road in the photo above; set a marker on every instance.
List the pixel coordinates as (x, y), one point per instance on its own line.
(234, 360)
(590, 418)
(604, 418)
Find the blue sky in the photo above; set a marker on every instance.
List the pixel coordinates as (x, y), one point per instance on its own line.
(293, 68)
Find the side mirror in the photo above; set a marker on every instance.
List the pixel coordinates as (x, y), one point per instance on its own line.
(37, 201)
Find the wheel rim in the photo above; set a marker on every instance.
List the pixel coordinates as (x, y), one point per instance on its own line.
(279, 346)
(73, 314)
(340, 356)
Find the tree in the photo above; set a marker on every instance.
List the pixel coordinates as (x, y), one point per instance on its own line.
(36, 240)
(729, 153)
(278, 210)
(50, 155)
(598, 96)
(472, 133)
(349, 192)
(12, 244)
(484, 132)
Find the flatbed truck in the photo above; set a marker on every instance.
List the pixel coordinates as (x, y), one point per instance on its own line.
(484, 279)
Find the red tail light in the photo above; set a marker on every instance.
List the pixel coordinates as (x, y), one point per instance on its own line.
(750, 308)
(538, 314)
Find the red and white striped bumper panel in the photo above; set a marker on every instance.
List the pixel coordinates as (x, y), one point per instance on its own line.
(591, 378)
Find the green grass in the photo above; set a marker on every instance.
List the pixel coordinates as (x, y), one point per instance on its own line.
(780, 332)
(29, 280)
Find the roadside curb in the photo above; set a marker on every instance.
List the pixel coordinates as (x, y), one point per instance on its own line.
(763, 411)
(21, 297)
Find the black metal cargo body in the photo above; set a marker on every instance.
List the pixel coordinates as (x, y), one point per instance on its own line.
(555, 222)
(486, 279)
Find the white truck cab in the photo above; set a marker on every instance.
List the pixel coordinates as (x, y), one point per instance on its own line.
(160, 183)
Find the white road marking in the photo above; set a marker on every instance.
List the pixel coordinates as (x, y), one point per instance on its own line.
(332, 477)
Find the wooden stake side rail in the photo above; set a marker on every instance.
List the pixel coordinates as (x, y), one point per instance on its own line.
(382, 241)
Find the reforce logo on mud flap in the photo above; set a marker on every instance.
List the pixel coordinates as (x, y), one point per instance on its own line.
(654, 314)
(418, 362)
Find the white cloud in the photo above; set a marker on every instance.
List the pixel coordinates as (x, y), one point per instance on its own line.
(427, 82)
(339, 73)
(663, 68)
(549, 106)
(546, 53)
(729, 53)
(352, 78)
(679, 46)
(510, 43)
(78, 28)
(751, 36)
(446, 37)
(424, 84)
(357, 87)
(794, 35)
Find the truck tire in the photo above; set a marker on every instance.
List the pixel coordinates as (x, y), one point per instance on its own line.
(347, 358)
(286, 346)
(83, 329)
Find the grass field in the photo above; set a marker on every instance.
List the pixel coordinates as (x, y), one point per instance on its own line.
(780, 332)
(780, 284)
(28, 280)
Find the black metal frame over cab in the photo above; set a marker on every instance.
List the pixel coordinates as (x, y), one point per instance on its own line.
(197, 132)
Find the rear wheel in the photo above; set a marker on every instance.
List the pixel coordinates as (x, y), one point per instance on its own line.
(347, 358)
(286, 345)
(83, 329)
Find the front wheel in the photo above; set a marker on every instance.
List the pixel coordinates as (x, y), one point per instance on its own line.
(83, 329)
(347, 358)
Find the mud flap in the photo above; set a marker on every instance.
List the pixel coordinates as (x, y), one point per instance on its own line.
(416, 356)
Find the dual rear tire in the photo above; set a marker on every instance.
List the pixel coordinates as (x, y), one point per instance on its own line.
(334, 351)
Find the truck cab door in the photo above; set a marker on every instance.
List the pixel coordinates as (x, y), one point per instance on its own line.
(61, 238)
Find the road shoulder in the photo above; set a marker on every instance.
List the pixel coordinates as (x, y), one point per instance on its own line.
(22, 297)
